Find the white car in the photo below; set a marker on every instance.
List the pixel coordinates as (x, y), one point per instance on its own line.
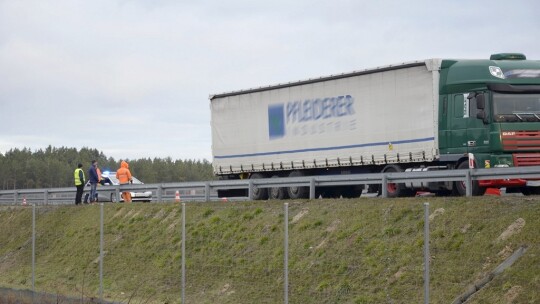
(109, 179)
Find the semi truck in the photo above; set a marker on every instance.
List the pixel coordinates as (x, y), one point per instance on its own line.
(434, 114)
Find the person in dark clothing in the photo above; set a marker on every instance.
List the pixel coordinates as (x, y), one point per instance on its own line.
(94, 179)
(79, 183)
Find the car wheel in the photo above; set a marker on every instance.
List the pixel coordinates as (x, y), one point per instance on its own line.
(113, 198)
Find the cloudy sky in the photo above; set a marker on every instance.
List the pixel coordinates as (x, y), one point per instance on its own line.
(132, 78)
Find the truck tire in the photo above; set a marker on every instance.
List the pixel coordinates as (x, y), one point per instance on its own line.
(277, 193)
(297, 192)
(459, 186)
(394, 189)
(258, 193)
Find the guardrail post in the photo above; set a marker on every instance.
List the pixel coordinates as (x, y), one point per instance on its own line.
(46, 200)
(15, 197)
(384, 186)
(207, 192)
(312, 188)
(250, 190)
(160, 193)
(426, 253)
(468, 183)
(117, 193)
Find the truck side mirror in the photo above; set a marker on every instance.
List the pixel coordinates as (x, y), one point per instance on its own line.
(481, 114)
(480, 102)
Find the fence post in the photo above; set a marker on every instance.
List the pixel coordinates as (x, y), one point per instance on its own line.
(183, 253)
(468, 183)
(286, 256)
(101, 254)
(384, 186)
(426, 253)
(207, 192)
(33, 251)
(312, 188)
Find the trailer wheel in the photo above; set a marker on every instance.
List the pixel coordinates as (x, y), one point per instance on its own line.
(258, 193)
(297, 192)
(460, 188)
(277, 193)
(395, 189)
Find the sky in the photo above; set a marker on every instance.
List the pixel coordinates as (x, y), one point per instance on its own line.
(132, 78)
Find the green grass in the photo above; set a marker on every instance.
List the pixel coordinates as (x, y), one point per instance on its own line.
(340, 251)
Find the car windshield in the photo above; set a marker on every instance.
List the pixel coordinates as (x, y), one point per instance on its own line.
(516, 107)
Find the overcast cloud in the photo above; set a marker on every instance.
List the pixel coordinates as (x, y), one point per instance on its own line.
(132, 78)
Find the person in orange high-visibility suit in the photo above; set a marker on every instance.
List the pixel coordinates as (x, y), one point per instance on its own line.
(124, 176)
(98, 175)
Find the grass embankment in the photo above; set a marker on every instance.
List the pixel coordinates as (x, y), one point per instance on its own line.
(340, 251)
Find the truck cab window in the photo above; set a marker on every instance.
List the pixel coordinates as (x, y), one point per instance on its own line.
(464, 106)
(460, 106)
(472, 105)
(516, 107)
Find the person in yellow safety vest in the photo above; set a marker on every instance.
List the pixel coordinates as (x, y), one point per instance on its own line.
(79, 183)
(124, 176)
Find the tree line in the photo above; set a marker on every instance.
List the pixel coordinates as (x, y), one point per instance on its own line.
(53, 167)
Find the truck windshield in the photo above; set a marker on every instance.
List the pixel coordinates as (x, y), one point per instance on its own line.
(516, 107)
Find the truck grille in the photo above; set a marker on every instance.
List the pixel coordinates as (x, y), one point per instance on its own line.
(526, 159)
(521, 140)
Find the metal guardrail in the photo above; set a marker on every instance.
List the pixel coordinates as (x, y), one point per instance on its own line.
(206, 191)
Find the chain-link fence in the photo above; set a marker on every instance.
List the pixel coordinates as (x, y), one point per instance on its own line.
(297, 252)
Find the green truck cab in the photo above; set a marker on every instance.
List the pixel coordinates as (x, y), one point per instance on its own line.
(490, 110)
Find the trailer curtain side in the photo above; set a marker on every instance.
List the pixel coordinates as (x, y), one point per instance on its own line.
(386, 115)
